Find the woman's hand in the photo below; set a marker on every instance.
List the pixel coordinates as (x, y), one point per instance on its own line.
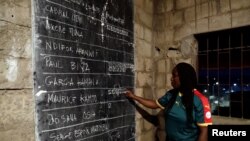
(146, 102)
(129, 94)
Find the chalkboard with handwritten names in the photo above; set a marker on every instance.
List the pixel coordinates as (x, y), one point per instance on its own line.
(83, 61)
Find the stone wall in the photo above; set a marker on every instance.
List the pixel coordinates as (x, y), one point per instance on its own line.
(144, 63)
(179, 20)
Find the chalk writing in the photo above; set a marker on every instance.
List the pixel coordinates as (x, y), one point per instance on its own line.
(54, 98)
(117, 30)
(55, 81)
(116, 91)
(56, 28)
(53, 63)
(57, 46)
(75, 32)
(83, 66)
(83, 60)
(88, 7)
(86, 99)
(115, 19)
(87, 53)
(61, 136)
(91, 130)
(88, 114)
(87, 82)
(77, 18)
(56, 11)
(119, 67)
(54, 119)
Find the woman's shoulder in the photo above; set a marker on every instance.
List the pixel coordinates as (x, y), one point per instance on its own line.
(198, 94)
(169, 94)
(199, 97)
(172, 91)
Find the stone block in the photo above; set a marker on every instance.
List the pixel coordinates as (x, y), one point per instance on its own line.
(202, 25)
(149, 6)
(202, 11)
(169, 37)
(184, 30)
(138, 126)
(239, 4)
(178, 18)
(148, 34)
(144, 79)
(139, 64)
(161, 23)
(148, 64)
(17, 115)
(159, 6)
(220, 22)
(147, 125)
(160, 92)
(189, 14)
(139, 92)
(144, 18)
(161, 66)
(144, 49)
(138, 31)
(160, 80)
(16, 73)
(160, 37)
(241, 17)
(15, 40)
(224, 6)
(213, 8)
(169, 5)
(180, 4)
(148, 136)
(17, 12)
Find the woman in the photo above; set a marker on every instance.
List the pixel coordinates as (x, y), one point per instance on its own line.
(186, 110)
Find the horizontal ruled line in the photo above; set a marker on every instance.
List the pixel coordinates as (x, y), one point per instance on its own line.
(85, 44)
(99, 34)
(89, 74)
(62, 56)
(44, 131)
(130, 138)
(105, 133)
(95, 88)
(47, 18)
(83, 14)
(70, 107)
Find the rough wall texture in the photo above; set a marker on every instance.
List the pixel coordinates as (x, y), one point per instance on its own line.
(144, 62)
(16, 100)
(178, 20)
(159, 26)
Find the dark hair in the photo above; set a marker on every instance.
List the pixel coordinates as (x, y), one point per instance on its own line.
(188, 82)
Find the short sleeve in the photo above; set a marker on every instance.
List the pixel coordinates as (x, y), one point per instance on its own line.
(163, 101)
(203, 112)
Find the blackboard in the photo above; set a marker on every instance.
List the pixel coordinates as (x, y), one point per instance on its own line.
(83, 59)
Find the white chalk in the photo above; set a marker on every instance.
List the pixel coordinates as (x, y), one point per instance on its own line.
(40, 92)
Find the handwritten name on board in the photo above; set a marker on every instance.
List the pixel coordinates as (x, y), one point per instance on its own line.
(83, 62)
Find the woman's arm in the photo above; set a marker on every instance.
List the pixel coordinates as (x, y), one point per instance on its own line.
(146, 102)
(203, 136)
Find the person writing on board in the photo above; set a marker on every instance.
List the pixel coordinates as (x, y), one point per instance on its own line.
(186, 110)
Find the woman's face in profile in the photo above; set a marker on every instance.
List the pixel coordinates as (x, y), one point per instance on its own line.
(175, 81)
